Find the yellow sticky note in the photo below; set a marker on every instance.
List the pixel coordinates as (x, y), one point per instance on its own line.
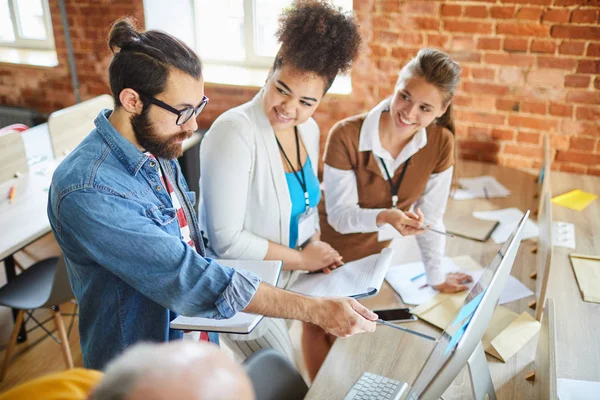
(575, 199)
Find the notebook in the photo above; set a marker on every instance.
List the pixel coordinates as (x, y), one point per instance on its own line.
(241, 322)
(470, 227)
(587, 271)
(358, 279)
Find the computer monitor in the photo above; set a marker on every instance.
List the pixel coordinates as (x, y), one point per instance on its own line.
(461, 340)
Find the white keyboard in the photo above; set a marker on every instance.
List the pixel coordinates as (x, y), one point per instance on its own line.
(374, 387)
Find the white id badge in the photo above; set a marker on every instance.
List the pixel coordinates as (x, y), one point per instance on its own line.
(307, 225)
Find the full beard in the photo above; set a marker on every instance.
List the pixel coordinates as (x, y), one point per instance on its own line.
(161, 147)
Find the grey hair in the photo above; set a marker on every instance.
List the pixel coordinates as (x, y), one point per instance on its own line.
(123, 373)
(439, 70)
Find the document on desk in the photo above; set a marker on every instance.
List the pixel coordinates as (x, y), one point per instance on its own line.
(480, 187)
(563, 235)
(241, 323)
(587, 272)
(400, 277)
(353, 278)
(509, 219)
(571, 389)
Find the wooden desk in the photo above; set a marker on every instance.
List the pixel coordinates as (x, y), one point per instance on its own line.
(577, 321)
(400, 356)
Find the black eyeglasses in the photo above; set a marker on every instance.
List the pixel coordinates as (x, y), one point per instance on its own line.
(184, 115)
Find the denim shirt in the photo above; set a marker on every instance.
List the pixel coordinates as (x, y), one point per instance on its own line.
(129, 268)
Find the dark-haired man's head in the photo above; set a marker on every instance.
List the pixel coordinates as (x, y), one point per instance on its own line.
(154, 78)
(318, 41)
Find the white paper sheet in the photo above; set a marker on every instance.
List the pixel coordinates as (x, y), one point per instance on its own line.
(399, 277)
(352, 278)
(571, 389)
(509, 219)
(563, 234)
(473, 188)
(387, 232)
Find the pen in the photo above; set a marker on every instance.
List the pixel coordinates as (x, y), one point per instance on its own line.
(423, 286)
(414, 278)
(11, 193)
(407, 330)
(485, 192)
(436, 231)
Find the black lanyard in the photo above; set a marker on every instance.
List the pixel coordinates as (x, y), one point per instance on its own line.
(303, 180)
(394, 188)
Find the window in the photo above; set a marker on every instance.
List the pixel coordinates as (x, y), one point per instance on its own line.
(241, 32)
(26, 24)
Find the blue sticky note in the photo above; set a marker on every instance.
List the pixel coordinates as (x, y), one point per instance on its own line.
(468, 309)
(457, 335)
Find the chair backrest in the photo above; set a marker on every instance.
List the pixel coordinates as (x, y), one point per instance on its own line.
(12, 156)
(61, 287)
(13, 127)
(274, 376)
(68, 127)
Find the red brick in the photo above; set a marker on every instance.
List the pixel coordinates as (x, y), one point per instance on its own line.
(488, 44)
(589, 113)
(582, 144)
(581, 96)
(420, 7)
(451, 10)
(529, 13)
(521, 150)
(379, 51)
(499, 12)
(556, 15)
(520, 60)
(479, 133)
(507, 105)
(436, 40)
(593, 50)
(568, 64)
(390, 6)
(476, 12)
(542, 124)
(480, 117)
(502, 134)
(468, 27)
(561, 110)
(534, 107)
(589, 66)
(577, 81)
(597, 83)
(487, 88)
(573, 169)
(571, 48)
(543, 46)
(515, 44)
(465, 56)
(482, 102)
(586, 16)
(483, 73)
(426, 23)
(578, 157)
(485, 147)
(386, 37)
(594, 171)
(517, 163)
(576, 2)
(575, 32)
(527, 29)
(462, 43)
(526, 137)
(570, 127)
(537, 2)
(559, 142)
(460, 100)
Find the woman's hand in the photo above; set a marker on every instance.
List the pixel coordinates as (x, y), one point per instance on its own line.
(407, 223)
(455, 282)
(317, 255)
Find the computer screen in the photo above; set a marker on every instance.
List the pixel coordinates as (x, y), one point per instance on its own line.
(454, 333)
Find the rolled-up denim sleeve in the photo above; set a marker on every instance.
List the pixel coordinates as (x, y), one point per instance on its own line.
(115, 233)
(238, 294)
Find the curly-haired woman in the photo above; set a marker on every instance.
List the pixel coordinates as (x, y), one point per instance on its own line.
(259, 186)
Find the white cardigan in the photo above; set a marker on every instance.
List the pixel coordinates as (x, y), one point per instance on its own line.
(244, 196)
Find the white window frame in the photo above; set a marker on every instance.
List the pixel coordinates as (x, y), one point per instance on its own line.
(26, 43)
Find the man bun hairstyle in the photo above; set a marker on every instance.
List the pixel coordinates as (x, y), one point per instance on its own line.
(317, 37)
(141, 60)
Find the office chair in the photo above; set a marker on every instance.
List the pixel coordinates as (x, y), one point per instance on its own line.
(274, 377)
(43, 285)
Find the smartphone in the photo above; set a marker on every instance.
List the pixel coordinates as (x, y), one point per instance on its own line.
(396, 315)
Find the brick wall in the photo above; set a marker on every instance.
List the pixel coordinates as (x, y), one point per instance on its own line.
(530, 68)
(50, 89)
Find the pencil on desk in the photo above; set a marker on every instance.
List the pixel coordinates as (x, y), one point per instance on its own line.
(436, 231)
(414, 278)
(485, 192)
(11, 193)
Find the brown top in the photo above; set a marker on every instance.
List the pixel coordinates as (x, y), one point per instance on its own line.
(341, 152)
